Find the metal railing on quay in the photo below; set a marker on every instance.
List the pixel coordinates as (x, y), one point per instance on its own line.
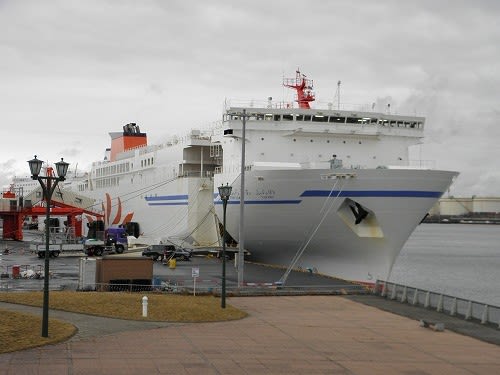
(185, 287)
(454, 306)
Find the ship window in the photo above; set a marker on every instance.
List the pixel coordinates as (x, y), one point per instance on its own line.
(311, 141)
(268, 117)
(393, 123)
(353, 120)
(307, 118)
(319, 118)
(327, 141)
(287, 117)
(277, 117)
(337, 119)
(294, 140)
(373, 121)
(299, 118)
(259, 116)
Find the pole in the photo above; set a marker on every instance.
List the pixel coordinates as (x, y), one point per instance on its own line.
(48, 190)
(223, 293)
(241, 241)
(45, 311)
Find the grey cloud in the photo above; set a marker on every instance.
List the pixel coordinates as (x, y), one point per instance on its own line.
(83, 69)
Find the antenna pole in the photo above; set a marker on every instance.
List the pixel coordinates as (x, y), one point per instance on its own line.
(338, 95)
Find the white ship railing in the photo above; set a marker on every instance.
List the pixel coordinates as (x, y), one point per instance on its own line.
(440, 302)
(317, 104)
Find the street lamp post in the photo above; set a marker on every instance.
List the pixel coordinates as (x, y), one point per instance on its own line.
(241, 240)
(48, 188)
(224, 192)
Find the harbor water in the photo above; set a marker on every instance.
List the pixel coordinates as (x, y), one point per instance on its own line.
(461, 260)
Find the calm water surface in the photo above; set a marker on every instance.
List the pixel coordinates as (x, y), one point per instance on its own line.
(461, 260)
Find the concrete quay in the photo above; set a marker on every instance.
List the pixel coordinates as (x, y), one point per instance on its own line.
(281, 335)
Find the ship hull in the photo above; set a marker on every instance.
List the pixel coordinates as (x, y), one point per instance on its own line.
(311, 215)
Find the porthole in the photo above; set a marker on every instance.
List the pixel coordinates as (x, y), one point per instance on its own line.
(343, 141)
(294, 140)
(327, 141)
(262, 139)
(311, 141)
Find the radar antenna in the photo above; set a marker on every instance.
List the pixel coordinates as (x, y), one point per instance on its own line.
(303, 86)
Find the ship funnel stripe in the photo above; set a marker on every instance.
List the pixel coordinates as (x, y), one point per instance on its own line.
(372, 193)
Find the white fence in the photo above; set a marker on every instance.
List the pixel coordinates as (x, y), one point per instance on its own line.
(454, 306)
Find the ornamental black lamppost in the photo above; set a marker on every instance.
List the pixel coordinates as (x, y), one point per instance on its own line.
(48, 188)
(224, 192)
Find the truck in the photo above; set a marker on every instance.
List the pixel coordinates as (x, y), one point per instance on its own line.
(115, 240)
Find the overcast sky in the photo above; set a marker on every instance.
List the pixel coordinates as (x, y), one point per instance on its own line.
(73, 71)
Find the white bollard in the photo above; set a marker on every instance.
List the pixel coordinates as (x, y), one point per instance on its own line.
(415, 298)
(453, 310)
(439, 307)
(485, 317)
(144, 306)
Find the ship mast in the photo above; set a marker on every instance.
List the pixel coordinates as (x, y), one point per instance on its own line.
(303, 87)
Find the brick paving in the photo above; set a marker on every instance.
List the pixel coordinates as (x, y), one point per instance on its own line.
(281, 335)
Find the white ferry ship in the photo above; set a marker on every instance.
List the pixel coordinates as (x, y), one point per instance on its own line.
(325, 189)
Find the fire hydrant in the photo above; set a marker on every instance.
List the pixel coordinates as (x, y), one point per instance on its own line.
(144, 306)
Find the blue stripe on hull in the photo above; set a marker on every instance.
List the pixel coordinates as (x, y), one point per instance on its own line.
(169, 204)
(372, 193)
(167, 198)
(160, 201)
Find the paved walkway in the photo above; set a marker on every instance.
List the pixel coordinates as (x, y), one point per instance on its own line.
(282, 335)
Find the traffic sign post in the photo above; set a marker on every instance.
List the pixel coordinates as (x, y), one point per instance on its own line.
(195, 273)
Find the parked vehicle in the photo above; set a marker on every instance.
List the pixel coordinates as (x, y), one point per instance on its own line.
(115, 239)
(163, 252)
